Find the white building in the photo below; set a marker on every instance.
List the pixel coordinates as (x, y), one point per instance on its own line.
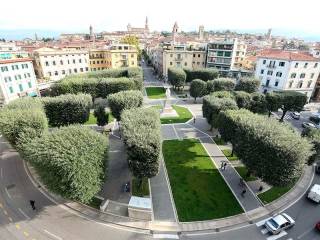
(54, 64)
(17, 79)
(285, 70)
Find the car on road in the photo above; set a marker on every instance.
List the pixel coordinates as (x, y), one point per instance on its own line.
(318, 226)
(308, 125)
(317, 167)
(295, 115)
(279, 223)
(314, 193)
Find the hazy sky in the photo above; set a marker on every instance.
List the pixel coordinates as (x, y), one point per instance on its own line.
(77, 15)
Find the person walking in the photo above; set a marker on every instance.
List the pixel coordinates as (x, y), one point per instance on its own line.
(194, 120)
(224, 165)
(243, 192)
(32, 203)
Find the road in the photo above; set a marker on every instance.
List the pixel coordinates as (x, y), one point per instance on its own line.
(297, 123)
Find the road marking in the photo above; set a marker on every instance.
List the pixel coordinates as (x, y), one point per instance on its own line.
(114, 151)
(175, 131)
(5, 212)
(52, 235)
(8, 193)
(18, 226)
(26, 234)
(166, 236)
(23, 213)
(1, 206)
(264, 231)
(280, 235)
(10, 219)
(1, 173)
(305, 233)
(259, 224)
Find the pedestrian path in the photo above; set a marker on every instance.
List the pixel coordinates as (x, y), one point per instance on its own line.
(248, 201)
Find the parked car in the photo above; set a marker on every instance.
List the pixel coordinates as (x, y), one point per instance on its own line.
(278, 223)
(317, 168)
(295, 115)
(318, 226)
(308, 125)
(314, 193)
(315, 118)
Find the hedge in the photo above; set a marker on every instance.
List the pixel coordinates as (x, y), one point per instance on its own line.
(141, 131)
(224, 84)
(213, 105)
(25, 103)
(71, 161)
(124, 100)
(243, 99)
(204, 74)
(271, 150)
(67, 109)
(176, 77)
(249, 85)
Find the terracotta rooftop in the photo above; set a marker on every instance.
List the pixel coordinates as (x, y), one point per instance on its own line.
(6, 61)
(286, 55)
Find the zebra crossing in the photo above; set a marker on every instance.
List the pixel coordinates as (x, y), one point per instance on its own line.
(266, 233)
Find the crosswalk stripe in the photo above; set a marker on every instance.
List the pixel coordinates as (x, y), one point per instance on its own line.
(166, 236)
(264, 231)
(280, 235)
(259, 224)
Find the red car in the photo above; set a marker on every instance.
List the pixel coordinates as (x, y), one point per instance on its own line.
(318, 226)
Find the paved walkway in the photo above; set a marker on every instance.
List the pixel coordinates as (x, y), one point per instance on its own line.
(162, 202)
(249, 201)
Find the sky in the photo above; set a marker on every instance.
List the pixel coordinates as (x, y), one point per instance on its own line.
(294, 18)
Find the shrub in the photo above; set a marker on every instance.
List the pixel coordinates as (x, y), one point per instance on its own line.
(213, 105)
(204, 74)
(258, 103)
(101, 115)
(198, 88)
(270, 150)
(210, 86)
(314, 136)
(224, 84)
(222, 94)
(25, 103)
(243, 99)
(249, 85)
(105, 87)
(142, 135)
(124, 100)
(176, 77)
(67, 109)
(71, 161)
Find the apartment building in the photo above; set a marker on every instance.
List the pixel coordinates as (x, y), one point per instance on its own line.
(17, 79)
(226, 55)
(116, 56)
(286, 70)
(54, 64)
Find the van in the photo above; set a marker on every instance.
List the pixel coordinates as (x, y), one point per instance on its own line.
(314, 193)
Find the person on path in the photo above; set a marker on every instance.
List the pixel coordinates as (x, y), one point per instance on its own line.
(32, 203)
(194, 120)
(224, 165)
(241, 182)
(243, 192)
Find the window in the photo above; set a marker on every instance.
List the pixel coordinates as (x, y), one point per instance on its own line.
(25, 75)
(305, 65)
(296, 65)
(290, 84)
(293, 75)
(94, 62)
(171, 55)
(300, 84)
(281, 64)
(29, 75)
(19, 76)
(29, 85)
(198, 55)
(68, 61)
(87, 69)
(11, 89)
(132, 63)
(132, 56)
(302, 75)
(267, 82)
(227, 54)
(276, 83)
(194, 55)
(75, 70)
(54, 63)
(270, 73)
(279, 74)
(70, 71)
(56, 73)
(185, 64)
(98, 62)
(4, 69)
(15, 77)
(61, 62)
(49, 73)
(264, 61)
(81, 69)
(170, 63)
(63, 72)
(312, 75)
(80, 61)
(309, 84)
(315, 65)
(20, 87)
(74, 61)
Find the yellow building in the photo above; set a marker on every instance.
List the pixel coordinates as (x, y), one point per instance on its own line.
(117, 56)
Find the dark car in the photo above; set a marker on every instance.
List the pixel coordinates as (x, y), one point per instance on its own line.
(317, 167)
(318, 226)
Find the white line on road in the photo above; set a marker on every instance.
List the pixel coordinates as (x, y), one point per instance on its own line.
(24, 214)
(264, 231)
(175, 131)
(280, 235)
(1, 173)
(114, 151)
(305, 233)
(52, 235)
(8, 193)
(166, 236)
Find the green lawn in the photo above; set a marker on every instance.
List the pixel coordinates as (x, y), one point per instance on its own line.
(199, 191)
(93, 120)
(243, 173)
(184, 115)
(143, 190)
(227, 153)
(156, 92)
(274, 193)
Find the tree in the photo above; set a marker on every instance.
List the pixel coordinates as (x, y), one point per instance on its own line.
(291, 101)
(124, 100)
(273, 102)
(249, 85)
(176, 77)
(71, 161)
(258, 103)
(198, 88)
(101, 115)
(243, 99)
(313, 135)
(204, 74)
(224, 84)
(132, 40)
(223, 94)
(210, 86)
(270, 150)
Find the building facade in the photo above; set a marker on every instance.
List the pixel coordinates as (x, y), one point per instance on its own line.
(117, 56)
(54, 64)
(285, 70)
(17, 79)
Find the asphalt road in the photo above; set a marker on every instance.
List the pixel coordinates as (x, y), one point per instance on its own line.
(297, 123)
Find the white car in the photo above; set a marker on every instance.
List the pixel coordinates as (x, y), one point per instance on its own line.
(295, 115)
(314, 193)
(278, 223)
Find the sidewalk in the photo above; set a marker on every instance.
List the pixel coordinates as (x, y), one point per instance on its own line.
(249, 201)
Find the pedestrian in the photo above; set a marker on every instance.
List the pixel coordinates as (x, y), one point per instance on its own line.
(32, 203)
(224, 165)
(241, 182)
(260, 188)
(243, 192)
(194, 120)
